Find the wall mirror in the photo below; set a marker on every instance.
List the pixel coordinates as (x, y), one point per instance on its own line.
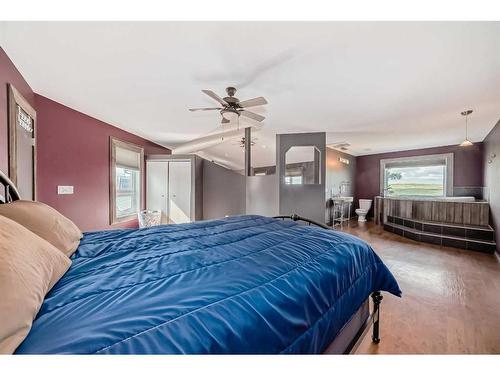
(302, 165)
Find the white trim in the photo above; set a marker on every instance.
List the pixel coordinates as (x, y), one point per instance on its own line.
(448, 159)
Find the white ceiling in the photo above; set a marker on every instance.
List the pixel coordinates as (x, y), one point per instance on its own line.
(380, 86)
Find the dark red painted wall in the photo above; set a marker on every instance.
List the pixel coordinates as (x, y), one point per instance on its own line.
(9, 74)
(468, 167)
(73, 149)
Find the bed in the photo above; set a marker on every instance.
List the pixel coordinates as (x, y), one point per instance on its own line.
(242, 284)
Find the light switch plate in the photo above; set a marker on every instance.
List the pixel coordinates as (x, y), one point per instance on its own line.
(64, 189)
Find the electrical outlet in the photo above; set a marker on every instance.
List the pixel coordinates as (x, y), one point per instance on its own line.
(64, 189)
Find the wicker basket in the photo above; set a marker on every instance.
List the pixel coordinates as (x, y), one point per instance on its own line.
(149, 218)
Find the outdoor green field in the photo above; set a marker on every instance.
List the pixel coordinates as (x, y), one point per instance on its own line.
(431, 190)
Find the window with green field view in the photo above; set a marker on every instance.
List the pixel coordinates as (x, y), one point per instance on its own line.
(425, 176)
(426, 181)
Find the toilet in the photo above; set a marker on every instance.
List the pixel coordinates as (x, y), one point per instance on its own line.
(364, 207)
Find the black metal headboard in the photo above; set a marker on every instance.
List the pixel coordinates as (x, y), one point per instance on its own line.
(296, 217)
(10, 190)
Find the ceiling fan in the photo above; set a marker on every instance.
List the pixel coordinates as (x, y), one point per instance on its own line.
(231, 106)
(241, 142)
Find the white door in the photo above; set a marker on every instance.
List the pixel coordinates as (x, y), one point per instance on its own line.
(179, 188)
(157, 187)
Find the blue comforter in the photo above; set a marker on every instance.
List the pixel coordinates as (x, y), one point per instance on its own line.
(245, 284)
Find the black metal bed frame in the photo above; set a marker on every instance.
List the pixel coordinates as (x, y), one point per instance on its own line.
(296, 217)
(10, 191)
(372, 319)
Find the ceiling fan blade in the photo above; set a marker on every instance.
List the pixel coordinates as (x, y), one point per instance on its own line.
(252, 115)
(203, 109)
(253, 102)
(214, 96)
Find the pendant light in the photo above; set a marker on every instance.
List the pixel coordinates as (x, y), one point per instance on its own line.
(466, 142)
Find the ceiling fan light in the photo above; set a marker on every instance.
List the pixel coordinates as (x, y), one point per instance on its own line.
(230, 115)
(466, 143)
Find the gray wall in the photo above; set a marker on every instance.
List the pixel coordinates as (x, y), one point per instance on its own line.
(492, 176)
(262, 195)
(338, 172)
(198, 186)
(227, 192)
(224, 192)
(304, 200)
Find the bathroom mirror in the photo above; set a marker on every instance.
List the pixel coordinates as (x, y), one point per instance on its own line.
(302, 165)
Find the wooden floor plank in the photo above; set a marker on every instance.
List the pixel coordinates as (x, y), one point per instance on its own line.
(451, 297)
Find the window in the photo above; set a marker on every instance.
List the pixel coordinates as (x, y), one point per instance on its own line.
(419, 176)
(127, 162)
(293, 180)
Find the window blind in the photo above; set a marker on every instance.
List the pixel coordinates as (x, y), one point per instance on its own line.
(126, 158)
(416, 163)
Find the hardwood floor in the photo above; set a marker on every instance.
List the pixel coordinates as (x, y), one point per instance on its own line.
(451, 298)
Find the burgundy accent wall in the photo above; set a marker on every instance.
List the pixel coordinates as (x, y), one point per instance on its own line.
(73, 149)
(468, 167)
(492, 177)
(9, 74)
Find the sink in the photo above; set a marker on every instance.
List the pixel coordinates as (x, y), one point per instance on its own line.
(343, 199)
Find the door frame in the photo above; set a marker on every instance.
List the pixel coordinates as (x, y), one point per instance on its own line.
(15, 99)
